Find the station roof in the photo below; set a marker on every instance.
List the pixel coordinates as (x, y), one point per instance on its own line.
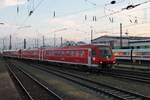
(118, 37)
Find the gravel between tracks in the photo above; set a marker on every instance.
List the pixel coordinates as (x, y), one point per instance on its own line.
(66, 89)
(138, 87)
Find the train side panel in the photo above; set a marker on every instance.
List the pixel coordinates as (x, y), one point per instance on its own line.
(132, 55)
(89, 55)
(67, 55)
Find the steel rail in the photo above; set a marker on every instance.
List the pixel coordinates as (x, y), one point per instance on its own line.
(100, 87)
(50, 93)
(130, 75)
(20, 83)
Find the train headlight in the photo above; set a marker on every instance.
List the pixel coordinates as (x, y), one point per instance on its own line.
(101, 62)
(114, 62)
(94, 59)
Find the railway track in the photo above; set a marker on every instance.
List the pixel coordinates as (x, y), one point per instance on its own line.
(109, 91)
(33, 88)
(138, 76)
(130, 67)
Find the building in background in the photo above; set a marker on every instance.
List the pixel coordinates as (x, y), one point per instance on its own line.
(140, 43)
(127, 42)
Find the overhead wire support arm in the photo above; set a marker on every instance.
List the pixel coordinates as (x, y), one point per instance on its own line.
(133, 6)
(32, 11)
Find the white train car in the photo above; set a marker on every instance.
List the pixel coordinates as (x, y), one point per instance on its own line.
(141, 54)
(132, 55)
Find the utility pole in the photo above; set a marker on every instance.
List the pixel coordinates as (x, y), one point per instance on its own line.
(91, 35)
(25, 44)
(54, 40)
(43, 41)
(127, 33)
(10, 45)
(3, 44)
(61, 41)
(120, 35)
(37, 43)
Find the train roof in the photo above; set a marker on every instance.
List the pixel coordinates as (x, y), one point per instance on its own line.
(85, 46)
(62, 48)
(77, 47)
(10, 50)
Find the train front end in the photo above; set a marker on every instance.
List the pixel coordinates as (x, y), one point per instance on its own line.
(106, 57)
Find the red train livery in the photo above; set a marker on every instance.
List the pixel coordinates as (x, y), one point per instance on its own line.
(88, 55)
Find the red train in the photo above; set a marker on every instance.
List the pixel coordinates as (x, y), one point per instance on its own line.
(92, 56)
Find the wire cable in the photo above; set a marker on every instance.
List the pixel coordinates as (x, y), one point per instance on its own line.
(32, 11)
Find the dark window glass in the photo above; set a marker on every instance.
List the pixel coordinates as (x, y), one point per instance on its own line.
(93, 53)
(105, 52)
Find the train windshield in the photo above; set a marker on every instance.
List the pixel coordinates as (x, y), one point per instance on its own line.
(105, 52)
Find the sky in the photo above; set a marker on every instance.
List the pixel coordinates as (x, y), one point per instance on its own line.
(71, 19)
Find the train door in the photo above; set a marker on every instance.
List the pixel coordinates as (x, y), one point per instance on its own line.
(20, 54)
(41, 54)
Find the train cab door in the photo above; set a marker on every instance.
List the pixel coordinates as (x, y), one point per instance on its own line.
(20, 54)
(42, 54)
(39, 54)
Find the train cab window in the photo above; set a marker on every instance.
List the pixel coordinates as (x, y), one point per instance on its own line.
(105, 52)
(93, 53)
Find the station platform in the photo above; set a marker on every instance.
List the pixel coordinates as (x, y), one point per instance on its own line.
(7, 88)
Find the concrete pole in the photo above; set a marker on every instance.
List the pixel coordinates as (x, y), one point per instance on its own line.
(120, 35)
(24, 44)
(91, 35)
(61, 41)
(10, 44)
(43, 41)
